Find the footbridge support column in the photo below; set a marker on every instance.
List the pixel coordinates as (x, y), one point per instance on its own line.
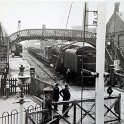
(42, 45)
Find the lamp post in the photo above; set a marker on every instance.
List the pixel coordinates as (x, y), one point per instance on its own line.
(21, 100)
(18, 29)
(19, 23)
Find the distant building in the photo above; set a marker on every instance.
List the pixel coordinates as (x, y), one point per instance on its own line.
(31, 43)
(3, 35)
(93, 30)
(76, 27)
(115, 27)
(46, 42)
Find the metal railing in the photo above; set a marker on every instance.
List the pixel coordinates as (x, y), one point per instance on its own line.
(62, 34)
(13, 116)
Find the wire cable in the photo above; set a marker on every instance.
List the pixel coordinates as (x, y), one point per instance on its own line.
(69, 14)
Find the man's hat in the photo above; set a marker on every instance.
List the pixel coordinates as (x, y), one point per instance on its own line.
(67, 86)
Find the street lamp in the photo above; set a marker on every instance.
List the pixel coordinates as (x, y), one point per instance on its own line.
(18, 29)
(19, 22)
(21, 96)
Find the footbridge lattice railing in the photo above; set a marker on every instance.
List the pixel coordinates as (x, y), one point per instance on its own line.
(61, 34)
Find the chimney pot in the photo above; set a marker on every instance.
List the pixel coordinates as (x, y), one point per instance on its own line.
(117, 4)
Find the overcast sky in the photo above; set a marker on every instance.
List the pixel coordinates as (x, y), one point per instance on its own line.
(33, 14)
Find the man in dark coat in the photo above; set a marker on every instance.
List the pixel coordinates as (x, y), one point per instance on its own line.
(67, 77)
(56, 95)
(65, 93)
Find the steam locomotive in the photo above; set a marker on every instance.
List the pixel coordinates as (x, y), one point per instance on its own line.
(67, 60)
(16, 50)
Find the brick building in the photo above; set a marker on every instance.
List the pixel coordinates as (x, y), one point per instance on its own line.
(115, 27)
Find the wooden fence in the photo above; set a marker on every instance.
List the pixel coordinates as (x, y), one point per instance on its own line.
(13, 87)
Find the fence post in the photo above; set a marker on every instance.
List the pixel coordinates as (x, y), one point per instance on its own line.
(119, 108)
(74, 121)
(10, 85)
(47, 102)
(26, 116)
(3, 84)
(112, 76)
(57, 120)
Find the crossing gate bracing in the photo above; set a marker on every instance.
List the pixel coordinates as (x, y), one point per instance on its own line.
(111, 112)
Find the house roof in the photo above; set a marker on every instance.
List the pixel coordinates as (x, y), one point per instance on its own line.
(121, 15)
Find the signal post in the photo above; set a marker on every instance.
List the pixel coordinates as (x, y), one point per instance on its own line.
(100, 63)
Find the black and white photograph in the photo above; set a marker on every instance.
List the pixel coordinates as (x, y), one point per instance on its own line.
(61, 62)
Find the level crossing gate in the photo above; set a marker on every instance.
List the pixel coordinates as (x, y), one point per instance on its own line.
(41, 115)
(111, 113)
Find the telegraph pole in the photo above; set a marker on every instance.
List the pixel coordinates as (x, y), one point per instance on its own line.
(100, 63)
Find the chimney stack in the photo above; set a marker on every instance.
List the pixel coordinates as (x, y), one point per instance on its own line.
(117, 4)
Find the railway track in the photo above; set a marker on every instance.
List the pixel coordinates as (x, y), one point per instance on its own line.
(42, 72)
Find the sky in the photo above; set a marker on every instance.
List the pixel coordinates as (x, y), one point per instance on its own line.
(33, 14)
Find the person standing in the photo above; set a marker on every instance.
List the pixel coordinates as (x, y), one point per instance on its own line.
(65, 93)
(67, 76)
(7, 89)
(56, 95)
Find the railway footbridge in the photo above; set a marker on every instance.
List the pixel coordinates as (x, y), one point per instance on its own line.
(57, 34)
(62, 34)
(69, 35)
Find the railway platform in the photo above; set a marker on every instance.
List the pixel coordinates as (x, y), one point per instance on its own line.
(9, 104)
(15, 63)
